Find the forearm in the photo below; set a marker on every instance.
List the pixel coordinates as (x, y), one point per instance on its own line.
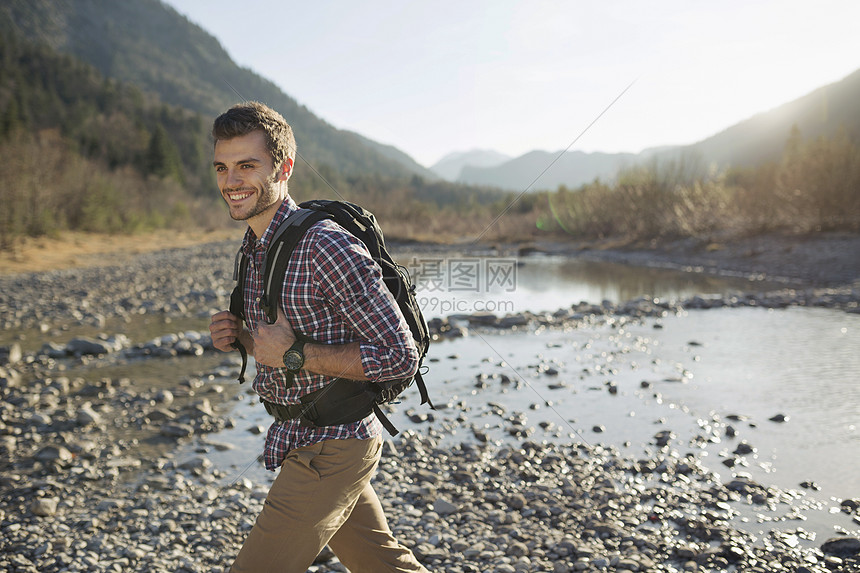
(338, 360)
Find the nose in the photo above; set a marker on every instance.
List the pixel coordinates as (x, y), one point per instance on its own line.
(234, 178)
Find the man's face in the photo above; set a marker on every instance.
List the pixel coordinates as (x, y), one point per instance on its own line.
(245, 172)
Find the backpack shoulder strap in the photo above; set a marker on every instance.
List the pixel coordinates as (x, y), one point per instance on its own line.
(240, 267)
(237, 305)
(284, 242)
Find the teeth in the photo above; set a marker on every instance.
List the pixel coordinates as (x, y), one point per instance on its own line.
(239, 197)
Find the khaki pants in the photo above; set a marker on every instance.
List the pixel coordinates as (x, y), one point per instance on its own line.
(321, 496)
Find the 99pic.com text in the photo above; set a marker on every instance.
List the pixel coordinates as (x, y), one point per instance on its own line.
(443, 306)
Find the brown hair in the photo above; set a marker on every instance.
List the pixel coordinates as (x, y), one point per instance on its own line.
(243, 118)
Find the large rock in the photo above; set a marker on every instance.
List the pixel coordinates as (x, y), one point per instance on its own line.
(10, 355)
(196, 463)
(177, 430)
(444, 507)
(53, 350)
(842, 546)
(84, 346)
(54, 453)
(86, 416)
(44, 506)
(9, 378)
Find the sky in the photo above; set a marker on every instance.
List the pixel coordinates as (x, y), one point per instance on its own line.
(432, 78)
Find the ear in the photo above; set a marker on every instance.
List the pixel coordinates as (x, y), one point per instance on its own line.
(286, 169)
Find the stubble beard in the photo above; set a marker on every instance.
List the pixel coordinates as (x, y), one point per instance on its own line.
(268, 196)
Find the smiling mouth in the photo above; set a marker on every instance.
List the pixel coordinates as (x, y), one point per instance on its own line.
(239, 195)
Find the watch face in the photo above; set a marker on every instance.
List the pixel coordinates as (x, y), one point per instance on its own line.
(293, 359)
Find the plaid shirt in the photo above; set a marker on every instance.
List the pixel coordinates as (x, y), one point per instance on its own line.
(333, 293)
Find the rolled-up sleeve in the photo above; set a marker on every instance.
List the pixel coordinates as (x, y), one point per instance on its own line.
(351, 282)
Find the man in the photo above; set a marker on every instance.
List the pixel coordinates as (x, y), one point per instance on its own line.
(334, 295)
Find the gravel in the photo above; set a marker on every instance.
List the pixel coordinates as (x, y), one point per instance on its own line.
(90, 479)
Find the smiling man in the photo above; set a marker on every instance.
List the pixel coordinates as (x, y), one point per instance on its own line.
(352, 329)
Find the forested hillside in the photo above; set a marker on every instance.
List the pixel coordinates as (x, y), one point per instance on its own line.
(81, 146)
(814, 186)
(95, 154)
(150, 45)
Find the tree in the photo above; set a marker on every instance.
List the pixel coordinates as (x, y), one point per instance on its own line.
(162, 157)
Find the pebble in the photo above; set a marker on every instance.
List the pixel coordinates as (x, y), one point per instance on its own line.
(444, 507)
(44, 506)
(86, 416)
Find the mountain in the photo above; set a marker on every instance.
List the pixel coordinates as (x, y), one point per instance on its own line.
(450, 166)
(395, 154)
(538, 170)
(761, 138)
(748, 143)
(153, 47)
(150, 45)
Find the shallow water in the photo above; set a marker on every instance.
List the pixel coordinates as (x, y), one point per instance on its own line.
(757, 363)
(450, 285)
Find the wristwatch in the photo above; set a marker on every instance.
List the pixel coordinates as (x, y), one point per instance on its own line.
(294, 357)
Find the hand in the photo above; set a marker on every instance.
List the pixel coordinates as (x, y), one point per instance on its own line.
(272, 340)
(225, 328)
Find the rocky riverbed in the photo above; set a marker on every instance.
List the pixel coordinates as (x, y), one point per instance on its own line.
(90, 479)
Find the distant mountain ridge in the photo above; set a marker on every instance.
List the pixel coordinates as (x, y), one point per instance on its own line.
(758, 139)
(544, 170)
(450, 166)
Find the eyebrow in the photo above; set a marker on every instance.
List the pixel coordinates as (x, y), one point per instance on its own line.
(239, 162)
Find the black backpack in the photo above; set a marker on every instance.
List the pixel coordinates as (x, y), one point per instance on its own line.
(346, 400)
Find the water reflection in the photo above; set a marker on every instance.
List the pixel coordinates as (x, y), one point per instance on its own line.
(550, 283)
(599, 281)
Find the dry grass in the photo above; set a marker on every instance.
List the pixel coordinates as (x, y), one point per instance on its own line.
(77, 249)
